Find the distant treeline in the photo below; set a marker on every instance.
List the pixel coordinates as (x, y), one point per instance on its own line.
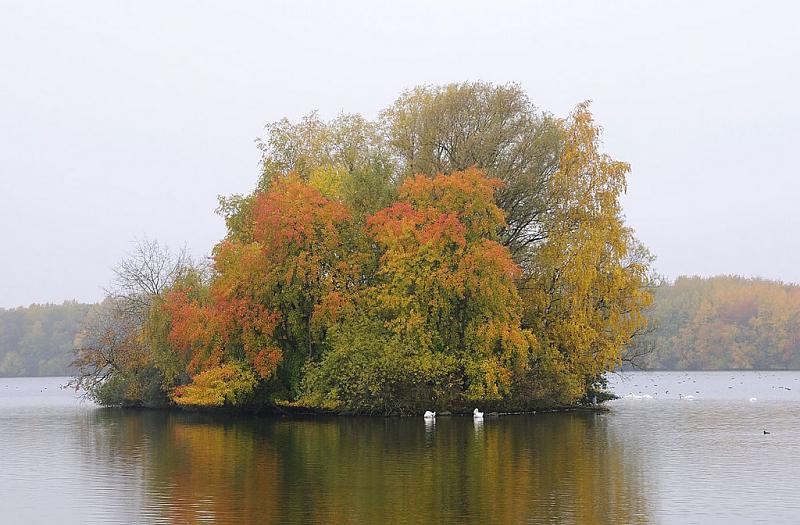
(699, 323)
(38, 340)
(724, 322)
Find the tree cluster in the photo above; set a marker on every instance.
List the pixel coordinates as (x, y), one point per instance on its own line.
(37, 340)
(724, 322)
(462, 248)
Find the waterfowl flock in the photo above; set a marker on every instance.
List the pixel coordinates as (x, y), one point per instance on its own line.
(476, 414)
(690, 386)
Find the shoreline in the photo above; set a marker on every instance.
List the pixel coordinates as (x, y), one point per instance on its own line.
(304, 412)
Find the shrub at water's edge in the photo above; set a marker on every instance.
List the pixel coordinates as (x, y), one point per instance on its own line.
(465, 249)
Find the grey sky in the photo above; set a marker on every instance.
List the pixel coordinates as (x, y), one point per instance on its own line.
(120, 120)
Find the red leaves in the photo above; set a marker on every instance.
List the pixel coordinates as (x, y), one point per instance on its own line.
(295, 231)
(293, 213)
(277, 296)
(445, 227)
(266, 361)
(200, 332)
(394, 222)
(451, 208)
(192, 323)
(494, 254)
(468, 194)
(447, 212)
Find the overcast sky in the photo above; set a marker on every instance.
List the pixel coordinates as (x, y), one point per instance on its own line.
(120, 120)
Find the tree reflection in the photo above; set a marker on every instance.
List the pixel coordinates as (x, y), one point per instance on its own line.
(566, 468)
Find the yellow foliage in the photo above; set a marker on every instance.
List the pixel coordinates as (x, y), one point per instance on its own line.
(585, 290)
(229, 384)
(328, 180)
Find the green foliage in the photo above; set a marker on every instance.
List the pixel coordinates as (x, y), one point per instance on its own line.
(38, 340)
(369, 371)
(139, 387)
(441, 129)
(347, 159)
(441, 315)
(464, 248)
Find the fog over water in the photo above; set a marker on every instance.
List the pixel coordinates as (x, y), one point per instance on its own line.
(120, 120)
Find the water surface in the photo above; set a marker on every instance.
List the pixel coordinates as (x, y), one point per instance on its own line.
(656, 457)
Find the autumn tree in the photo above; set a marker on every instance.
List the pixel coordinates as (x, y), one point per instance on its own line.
(114, 357)
(585, 286)
(440, 323)
(346, 159)
(440, 129)
(464, 247)
(264, 304)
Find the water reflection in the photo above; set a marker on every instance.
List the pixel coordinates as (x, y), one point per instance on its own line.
(565, 468)
(648, 460)
(430, 429)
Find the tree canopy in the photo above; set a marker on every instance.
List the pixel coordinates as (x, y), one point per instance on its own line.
(463, 248)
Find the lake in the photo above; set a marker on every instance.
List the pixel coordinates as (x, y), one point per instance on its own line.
(677, 448)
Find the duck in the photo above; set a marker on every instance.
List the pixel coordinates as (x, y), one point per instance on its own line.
(765, 432)
(429, 415)
(477, 414)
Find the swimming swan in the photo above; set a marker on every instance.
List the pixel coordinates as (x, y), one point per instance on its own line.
(477, 414)
(429, 414)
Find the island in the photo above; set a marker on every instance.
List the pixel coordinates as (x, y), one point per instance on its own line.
(463, 249)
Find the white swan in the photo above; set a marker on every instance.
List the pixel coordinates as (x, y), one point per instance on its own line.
(753, 400)
(477, 414)
(635, 396)
(429, 414)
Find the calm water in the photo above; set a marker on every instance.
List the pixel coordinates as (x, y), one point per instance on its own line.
(657, 457)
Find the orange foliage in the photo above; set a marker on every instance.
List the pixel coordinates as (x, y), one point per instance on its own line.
(293, 215)
(445, 284)
(285, 274)
(468, 194)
